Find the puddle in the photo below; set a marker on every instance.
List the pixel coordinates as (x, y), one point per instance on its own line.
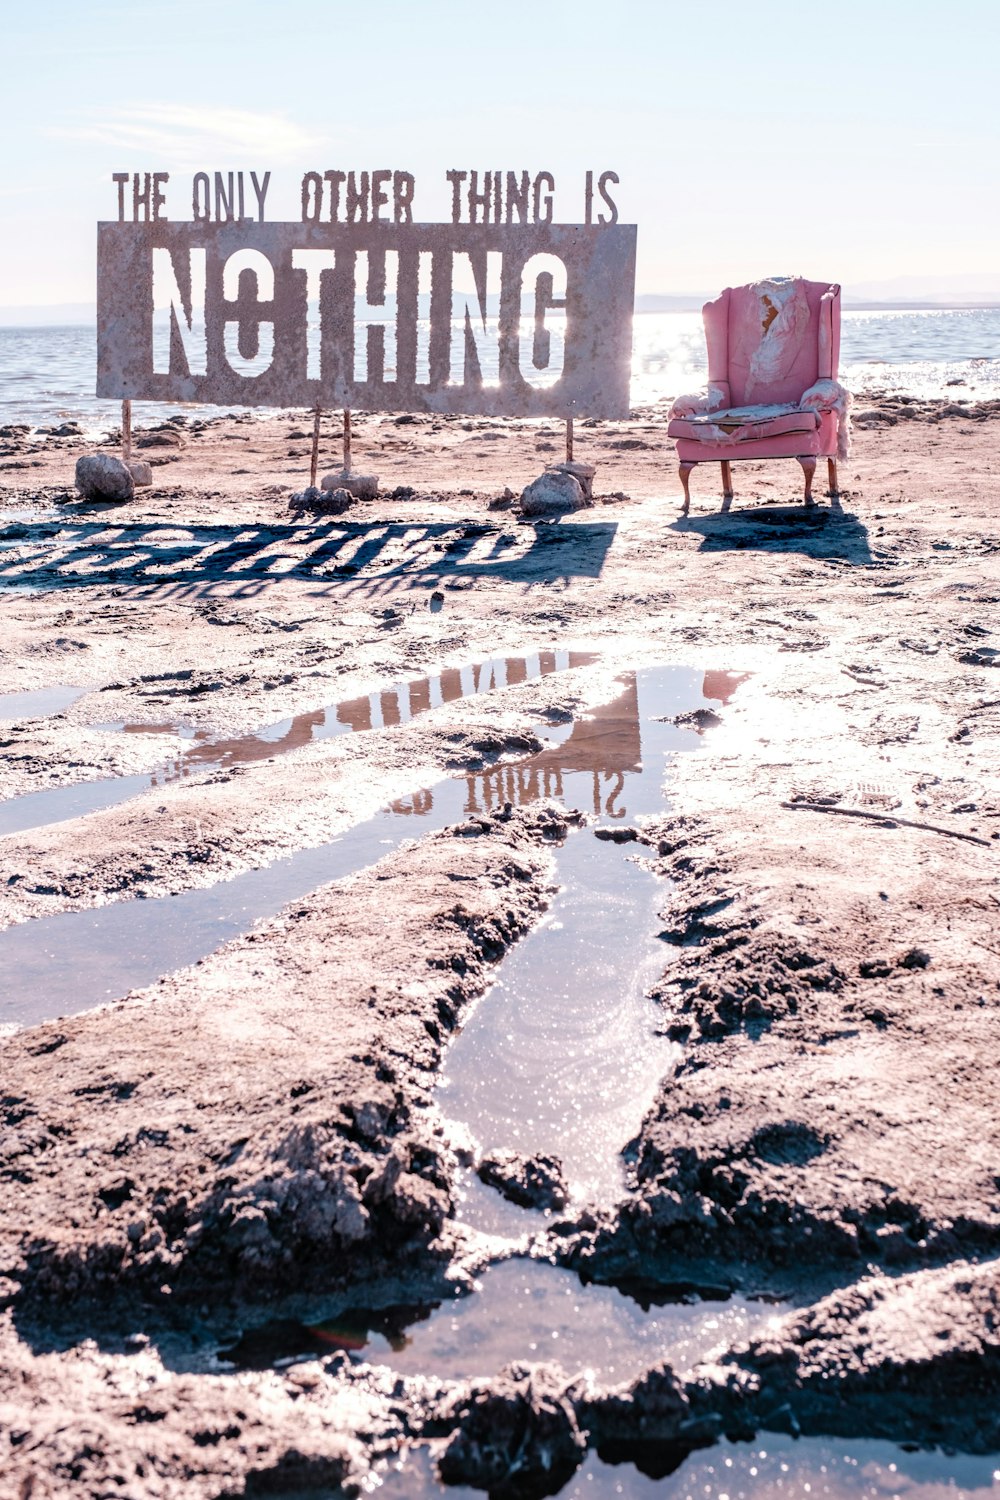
(38, 703)
(57, 804)
(564, 1047)
(206, 753)
(562, 1054)
(73, 960)
(520, 1310)
(773, 1467)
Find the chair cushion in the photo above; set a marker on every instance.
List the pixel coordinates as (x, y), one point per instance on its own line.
(743, 424)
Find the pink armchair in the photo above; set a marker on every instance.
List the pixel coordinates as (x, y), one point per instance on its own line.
(773, 351)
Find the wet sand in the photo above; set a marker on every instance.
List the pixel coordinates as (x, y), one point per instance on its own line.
(258, 1135)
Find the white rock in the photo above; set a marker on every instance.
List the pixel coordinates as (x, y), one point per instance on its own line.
(361, 486)
(99, 476)
(583, 473)
(141, 472)
(551, 492)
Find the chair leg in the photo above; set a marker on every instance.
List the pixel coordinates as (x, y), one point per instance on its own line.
(727, 483)
(685, 468)
(808, 470)
(831, 469)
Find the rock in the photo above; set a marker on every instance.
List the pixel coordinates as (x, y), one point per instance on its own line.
(64, 430)
(617, 835)
(519, 1438)
(160, 437)
(528, 1181)
(142, 474)
(698, 719)
(308, 498)
(583, 474)
(552, 492)
(329, 502)
(99, 476)
(361, 486)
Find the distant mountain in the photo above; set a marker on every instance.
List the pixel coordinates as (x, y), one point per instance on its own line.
(50, 315)
(650, 302)
(970, 290)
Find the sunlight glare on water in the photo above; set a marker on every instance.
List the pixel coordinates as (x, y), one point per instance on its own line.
(773, 1467)
(47, 374)
(931, 353)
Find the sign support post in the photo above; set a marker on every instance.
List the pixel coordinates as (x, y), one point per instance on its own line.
(314, 460)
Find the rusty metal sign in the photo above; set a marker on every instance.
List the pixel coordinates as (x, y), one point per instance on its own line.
(499, 320)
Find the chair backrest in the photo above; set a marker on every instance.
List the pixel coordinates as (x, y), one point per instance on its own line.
(771, 340)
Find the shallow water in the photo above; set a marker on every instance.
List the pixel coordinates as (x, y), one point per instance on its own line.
(73, 960)
(562, 1055)
(773, 1467)
(397, 704)
(520, 1310)
(564, 1047)
(38, 703)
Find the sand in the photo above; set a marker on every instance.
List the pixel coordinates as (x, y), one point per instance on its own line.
(259, 1129)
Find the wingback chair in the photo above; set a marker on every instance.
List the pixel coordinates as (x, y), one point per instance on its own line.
(773, 352)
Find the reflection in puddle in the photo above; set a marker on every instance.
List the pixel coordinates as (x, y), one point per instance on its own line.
(720, 686)
(520, 1310)
(73, 960)
(773, 1467)
(395, 705)
(38, 702)
(398, 704)
(286, 1339)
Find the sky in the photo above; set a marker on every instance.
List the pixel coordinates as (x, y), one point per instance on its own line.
(855, 142)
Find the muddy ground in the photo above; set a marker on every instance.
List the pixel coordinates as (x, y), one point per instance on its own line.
(257, 1132)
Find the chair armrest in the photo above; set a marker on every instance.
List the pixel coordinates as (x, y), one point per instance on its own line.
(715, 397)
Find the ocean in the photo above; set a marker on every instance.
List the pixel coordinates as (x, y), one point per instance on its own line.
(47, 374)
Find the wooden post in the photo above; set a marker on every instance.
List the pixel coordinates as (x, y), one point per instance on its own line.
(126, 432)
(569, 440)
(347, 441)
(314, 461)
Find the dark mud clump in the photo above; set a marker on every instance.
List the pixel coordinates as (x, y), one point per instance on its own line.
(528, 1181)
(518, 1437)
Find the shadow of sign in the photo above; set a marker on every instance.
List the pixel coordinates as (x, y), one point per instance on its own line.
(816, 531)
(192, 560)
